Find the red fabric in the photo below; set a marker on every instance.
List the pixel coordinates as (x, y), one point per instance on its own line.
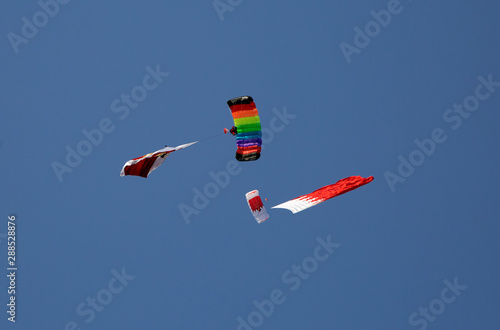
(255, 203)
(338, 188)
(141, 168)
(243, 107)
(248, 150)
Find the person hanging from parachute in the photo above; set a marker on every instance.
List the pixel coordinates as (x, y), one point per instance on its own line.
(233, 131)
(246, 128)
(305, 201)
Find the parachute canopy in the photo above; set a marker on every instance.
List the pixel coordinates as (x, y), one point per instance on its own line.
(247, 122)
(324, 193)
(256, 206)
(142, 166)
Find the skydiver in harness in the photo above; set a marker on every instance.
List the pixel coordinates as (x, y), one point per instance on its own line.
(233, 130)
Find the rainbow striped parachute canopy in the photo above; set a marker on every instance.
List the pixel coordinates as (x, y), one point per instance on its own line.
(247, 122)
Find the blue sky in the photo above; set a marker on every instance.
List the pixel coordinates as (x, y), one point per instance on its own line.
(412, 99)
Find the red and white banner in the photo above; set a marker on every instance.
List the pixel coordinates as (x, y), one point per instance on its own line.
(142, 166)
(324, 193)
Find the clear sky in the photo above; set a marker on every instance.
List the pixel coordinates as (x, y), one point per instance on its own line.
(407, 92)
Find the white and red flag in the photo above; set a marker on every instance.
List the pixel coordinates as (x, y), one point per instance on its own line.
(142, 166)
(324, 193)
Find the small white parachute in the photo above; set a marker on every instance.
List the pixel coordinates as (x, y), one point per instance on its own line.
(256, 206)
